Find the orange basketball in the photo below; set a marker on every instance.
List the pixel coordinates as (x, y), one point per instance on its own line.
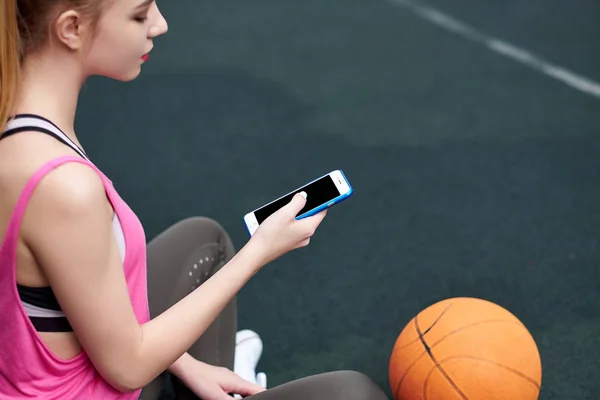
(465, 348)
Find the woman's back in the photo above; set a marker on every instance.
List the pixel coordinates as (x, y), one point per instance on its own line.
(49, 364)
(20, 157)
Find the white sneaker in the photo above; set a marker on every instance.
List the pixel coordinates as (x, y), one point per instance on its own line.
(248, 349)
(261, 379)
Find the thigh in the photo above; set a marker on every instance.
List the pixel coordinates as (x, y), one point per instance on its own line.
(183, 257)
(155, 390)
(179, 260)
(339, 385)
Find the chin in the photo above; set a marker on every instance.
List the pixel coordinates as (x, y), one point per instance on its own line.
(122, 76)
(131, 76)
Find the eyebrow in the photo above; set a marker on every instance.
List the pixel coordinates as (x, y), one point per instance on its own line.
(144, 4)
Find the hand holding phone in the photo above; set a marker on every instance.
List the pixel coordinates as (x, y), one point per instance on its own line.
(322, 192)
(282, 232)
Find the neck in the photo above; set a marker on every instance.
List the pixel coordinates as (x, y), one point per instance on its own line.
(50, 88)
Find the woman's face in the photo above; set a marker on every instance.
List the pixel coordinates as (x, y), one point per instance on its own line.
(123, 38)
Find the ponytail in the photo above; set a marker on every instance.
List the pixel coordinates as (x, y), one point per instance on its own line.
(9, 59)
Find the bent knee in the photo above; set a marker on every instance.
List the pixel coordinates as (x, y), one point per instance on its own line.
(202, 223)
(356, 385)
(204, 228)
(338, 385)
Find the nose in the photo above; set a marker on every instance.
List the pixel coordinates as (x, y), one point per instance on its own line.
(160, 26)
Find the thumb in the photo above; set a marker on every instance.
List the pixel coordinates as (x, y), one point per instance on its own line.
(298, 202)
(218, 394)
(243, 387)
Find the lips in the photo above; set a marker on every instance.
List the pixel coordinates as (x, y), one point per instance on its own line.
(145, 57)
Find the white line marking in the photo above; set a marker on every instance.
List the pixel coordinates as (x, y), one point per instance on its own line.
(508, 50)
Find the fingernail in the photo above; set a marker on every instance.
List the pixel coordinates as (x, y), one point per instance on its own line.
(303, 194)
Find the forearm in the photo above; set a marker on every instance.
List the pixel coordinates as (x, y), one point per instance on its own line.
(167, 337)
(178, 368)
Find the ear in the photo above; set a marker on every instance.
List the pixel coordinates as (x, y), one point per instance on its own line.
(70, 29)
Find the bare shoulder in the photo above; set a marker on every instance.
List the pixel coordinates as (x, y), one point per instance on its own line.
(70, 204)
(71, 187)
(23, 154)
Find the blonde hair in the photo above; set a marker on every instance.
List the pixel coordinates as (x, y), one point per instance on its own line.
(24, 28)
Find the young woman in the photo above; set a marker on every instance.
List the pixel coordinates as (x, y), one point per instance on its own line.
(87, 309)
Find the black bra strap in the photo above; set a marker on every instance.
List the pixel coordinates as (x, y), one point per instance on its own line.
(39, 296)
(41, 130)
(36, 128)
(60, 324)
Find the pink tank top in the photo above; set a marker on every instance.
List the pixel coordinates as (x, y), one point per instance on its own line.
(28, 369)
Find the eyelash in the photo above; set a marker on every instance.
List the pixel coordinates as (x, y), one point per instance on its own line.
(141, 20)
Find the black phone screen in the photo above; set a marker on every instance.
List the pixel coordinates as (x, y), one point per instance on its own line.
(318, 192)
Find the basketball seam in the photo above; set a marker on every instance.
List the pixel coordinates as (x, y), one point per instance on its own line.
(399, 385)
(428, 329)
(437, 365)
(514, 371)
(452, 333)
(438, 319)
(428, 349)
(427, 380)
(462, 328)
(406, 373)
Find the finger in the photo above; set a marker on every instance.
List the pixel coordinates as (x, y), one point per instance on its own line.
(243, 387)
(304, 243)
(236, 384)
(297, 203)
(311, 223)
(219, 394)
(321, 215)
(250, 390)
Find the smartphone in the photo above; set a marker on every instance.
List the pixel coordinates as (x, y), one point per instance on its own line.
(321, 193)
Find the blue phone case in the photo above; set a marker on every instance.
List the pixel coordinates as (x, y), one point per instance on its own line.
(322, 207)
(333, 202)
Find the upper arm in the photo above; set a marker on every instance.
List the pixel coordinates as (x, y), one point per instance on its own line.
(68, 227)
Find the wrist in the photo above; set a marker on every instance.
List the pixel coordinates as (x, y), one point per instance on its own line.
(179, 367)
(252, 255)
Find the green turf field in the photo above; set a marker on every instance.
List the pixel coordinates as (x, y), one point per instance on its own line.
(474, 174)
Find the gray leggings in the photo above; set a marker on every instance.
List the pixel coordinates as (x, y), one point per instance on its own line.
(182, 258)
